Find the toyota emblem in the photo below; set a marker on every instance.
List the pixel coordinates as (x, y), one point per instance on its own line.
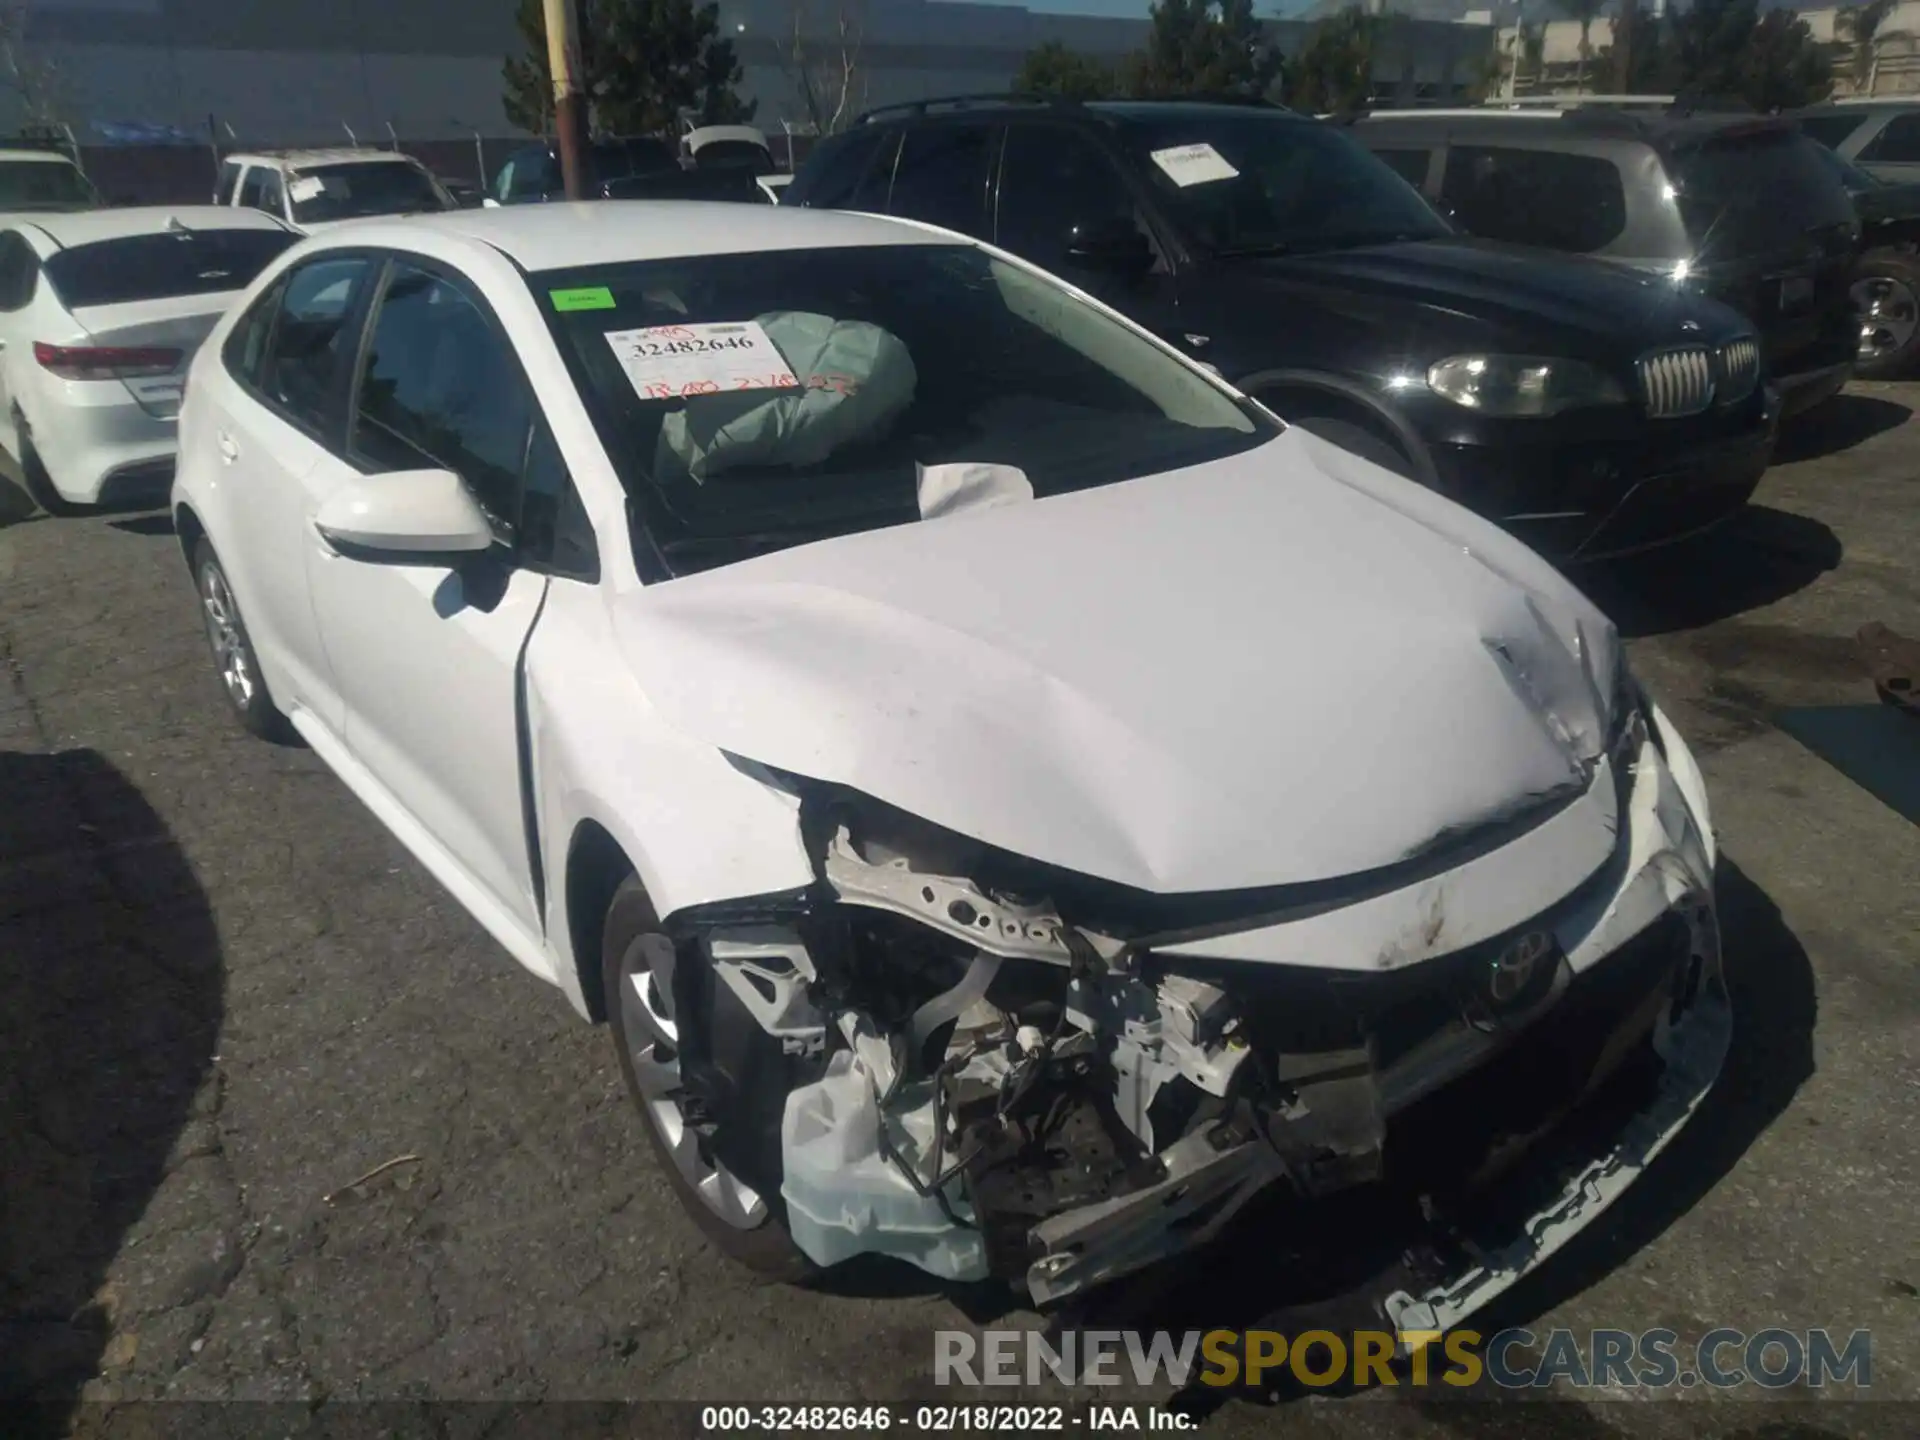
(1512, 971)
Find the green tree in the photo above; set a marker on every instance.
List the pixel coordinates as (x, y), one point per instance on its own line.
(1585, 12)
(1334, 69)
(1727, 48)
(1204, 47)
(1054, 70)
(650, 63)
(1859, 26)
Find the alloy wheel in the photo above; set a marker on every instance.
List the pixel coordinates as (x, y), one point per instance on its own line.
(1889, 314)
(230, 654)
(652, 1040)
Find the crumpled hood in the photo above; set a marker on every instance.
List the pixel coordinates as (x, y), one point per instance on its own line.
(1283, 667)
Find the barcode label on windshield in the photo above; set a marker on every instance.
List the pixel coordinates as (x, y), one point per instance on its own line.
(664, 362)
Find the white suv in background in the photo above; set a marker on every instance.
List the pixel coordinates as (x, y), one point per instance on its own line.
(100, 313)
(313, 189)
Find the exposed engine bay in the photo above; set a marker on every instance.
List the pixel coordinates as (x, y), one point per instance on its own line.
(969, 1062)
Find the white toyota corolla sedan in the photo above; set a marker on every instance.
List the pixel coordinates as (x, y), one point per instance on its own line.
(1012, 798)
(100, 313)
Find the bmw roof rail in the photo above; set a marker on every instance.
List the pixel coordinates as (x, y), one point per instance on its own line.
(964, 102)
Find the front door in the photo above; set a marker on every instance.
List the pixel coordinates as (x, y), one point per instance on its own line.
(427, 655)
(1059, 190)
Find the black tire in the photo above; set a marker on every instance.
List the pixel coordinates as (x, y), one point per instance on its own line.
(1886, 292)
(1358, 440)
(39, 483)
(765, 1248)
(227, 637)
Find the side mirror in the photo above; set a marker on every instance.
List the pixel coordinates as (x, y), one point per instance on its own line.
(1115, 245)
(419, 517)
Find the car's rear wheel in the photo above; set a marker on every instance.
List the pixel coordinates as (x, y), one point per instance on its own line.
(40, 484)
(1886, 293)
(638, 963)
(234, 660)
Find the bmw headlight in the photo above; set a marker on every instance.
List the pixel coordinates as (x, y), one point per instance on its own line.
(1522, 385)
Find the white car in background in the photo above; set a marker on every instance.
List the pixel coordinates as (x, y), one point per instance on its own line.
(100, 313)
(40, 181)
(313, 190)
(1013, 799)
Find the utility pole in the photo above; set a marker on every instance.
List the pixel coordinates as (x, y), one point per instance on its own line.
(563, 60)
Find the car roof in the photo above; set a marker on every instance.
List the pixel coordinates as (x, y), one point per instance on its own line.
(601, 232)
(50, 157)
(84, 227)
(338, 155)
(1680, 128)
(1188, 110)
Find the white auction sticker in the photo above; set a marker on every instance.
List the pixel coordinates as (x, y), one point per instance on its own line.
(307, 187)
(1193, 164)
(665, 362)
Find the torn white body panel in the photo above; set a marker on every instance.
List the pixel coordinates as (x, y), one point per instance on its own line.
(1269, 710)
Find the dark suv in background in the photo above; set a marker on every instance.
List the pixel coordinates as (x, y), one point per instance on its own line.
(1882, 137)
(1737, 206)
(1589, 409)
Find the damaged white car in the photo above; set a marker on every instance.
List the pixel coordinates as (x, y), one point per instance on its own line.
(1013, 799)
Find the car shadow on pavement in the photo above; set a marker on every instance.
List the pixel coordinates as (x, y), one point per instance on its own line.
(110, 1009)
(1847, 420)
(1759, 556)
(158, 523)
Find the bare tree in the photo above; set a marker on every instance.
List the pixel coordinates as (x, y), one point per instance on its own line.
(33, 79)
(825, 68)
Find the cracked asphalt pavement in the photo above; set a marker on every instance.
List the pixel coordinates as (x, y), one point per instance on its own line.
(226, 994)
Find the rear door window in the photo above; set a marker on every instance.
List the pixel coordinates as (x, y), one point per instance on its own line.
(1410, 165)
(162, 267)
(304, 371)
(1898, 144)
(838, 175)
(19, 271)
(1548, 198)
(1830, 130)
(942, 177)
(1757, 191)
(1055, 185)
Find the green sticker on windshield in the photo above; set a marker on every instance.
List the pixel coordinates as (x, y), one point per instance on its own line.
(590, 297)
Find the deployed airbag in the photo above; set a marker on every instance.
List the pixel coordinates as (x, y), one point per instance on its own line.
(855, 379)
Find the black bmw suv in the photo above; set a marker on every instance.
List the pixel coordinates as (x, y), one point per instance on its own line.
(1589, 409)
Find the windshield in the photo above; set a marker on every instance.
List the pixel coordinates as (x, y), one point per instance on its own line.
(1758, 191)
(1259, 183)
(1830, 130)
(162, 267)
(758, 400)
(379, 187)
(44, 185)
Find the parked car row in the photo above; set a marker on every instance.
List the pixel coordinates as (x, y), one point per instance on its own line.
(1590, 408)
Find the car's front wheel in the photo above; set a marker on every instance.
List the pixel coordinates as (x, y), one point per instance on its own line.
(1886, 293)
(744, 1218)
(234, 660)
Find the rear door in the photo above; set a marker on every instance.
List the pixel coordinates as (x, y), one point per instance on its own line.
(275, 412)
(19, 280)
(427, 655)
